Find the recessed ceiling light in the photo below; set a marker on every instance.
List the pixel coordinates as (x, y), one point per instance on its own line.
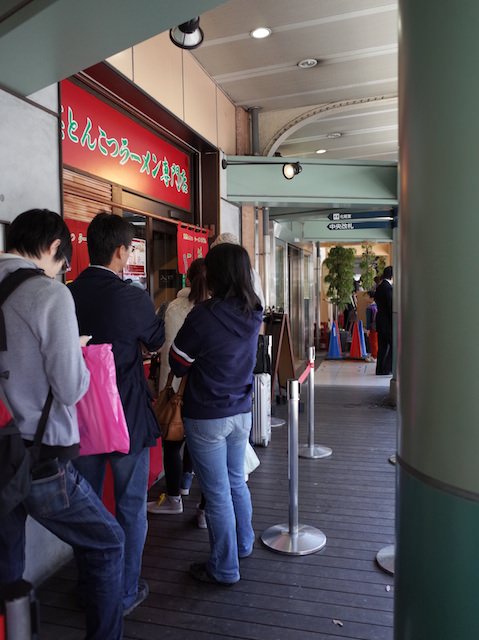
(260, 32)
(307, 63)
(321, 151)
(334, 134)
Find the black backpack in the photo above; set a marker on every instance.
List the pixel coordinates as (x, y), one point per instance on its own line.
(16, 460)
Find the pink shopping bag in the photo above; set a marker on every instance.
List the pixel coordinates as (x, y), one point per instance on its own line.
(101, 419)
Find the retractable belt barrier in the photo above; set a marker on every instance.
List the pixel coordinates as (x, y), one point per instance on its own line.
(311, 450)
(293, 538)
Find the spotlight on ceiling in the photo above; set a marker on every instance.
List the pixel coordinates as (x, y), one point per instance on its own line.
(291, 169)
(307, 63)
(260, 33)
(187, 35)
(321, 151)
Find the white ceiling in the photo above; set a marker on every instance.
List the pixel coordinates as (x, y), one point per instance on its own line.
(355, 42)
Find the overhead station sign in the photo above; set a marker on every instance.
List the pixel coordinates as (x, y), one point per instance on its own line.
(365, 220)
(351, 226)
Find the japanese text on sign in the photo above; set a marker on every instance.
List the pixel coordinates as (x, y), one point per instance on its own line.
(97, 139)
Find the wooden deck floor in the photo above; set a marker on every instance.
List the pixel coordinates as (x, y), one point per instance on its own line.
(349, 496)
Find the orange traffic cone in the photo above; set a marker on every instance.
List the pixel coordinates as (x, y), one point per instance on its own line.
(358, 351)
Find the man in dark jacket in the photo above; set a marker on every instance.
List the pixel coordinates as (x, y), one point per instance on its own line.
(384, 323)
(115, 312)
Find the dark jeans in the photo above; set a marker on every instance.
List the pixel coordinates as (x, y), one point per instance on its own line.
(67, 506)
(175, 466)
(130, 479)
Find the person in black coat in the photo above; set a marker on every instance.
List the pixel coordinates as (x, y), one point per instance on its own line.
(112, 311)
(384, 323)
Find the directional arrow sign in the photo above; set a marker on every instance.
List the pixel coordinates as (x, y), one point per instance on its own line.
(360, 216)
(350, 226)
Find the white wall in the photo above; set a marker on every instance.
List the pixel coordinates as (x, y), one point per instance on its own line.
(176, 80)
(29, 155)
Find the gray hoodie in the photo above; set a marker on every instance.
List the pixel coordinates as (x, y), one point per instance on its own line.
(43, 350)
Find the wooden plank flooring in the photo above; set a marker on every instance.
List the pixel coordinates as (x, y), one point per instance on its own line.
(349, 496)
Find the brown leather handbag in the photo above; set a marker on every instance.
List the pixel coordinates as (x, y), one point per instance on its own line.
(168, 410)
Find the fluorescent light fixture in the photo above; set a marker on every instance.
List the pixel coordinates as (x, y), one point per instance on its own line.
(260, 33)
(291, 169)
(187, 35)
(321, 151)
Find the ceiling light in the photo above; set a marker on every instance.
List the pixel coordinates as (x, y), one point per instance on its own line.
(321, 151)
(291, 169)
(307, 63)
(260, 32)
(187, 35)
(334, 134)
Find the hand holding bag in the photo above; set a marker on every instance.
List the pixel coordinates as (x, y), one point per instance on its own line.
(168, 410)
(101, 419)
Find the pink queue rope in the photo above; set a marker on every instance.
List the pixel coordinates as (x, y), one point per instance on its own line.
(305, 373)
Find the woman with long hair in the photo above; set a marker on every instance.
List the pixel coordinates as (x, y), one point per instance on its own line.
(178, 472)
(216, 347)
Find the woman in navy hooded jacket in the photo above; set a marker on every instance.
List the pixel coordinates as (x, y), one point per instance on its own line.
(216, 347)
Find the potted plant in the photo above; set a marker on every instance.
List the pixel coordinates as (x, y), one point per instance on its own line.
(340, 265)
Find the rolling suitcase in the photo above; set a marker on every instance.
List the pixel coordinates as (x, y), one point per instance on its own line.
(261, 432)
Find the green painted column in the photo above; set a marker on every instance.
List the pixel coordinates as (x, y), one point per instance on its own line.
(437, 556)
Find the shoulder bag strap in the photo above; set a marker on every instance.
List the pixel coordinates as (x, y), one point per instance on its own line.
(181, 388)
(8, 286)
(42, 425)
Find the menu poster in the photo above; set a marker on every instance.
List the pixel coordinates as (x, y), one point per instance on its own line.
(192, 244)
(135, 269)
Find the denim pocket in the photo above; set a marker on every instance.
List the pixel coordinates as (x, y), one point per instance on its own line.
(48, 495)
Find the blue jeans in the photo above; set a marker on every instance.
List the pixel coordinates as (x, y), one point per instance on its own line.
(66, 505)
(217, 448)
(130, 479)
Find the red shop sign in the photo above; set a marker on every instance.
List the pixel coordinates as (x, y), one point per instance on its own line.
(192, 244)
(102, 141)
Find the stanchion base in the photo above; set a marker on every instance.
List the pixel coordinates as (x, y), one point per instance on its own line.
(392, 459)
(385, 559)
(277, 422)
(316, 451)
(307, 540)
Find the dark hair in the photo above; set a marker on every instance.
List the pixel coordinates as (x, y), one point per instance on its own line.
(388, 273)
(228, 273)
(197, 277)
(371, 293)
(33, 231)
(106, 232)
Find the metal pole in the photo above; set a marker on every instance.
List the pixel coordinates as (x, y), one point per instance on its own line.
(293, 538)
(293, 421)
(311, 450)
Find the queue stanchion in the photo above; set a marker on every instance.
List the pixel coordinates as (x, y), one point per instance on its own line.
(293, 538)
(311, 450)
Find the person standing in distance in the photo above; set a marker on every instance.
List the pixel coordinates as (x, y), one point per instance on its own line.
(117, 313)
(384, 323)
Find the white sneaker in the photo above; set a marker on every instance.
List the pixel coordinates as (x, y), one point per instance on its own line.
(166, 504)
(201, 518)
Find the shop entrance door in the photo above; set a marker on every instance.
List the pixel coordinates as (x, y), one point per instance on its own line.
(165, 281)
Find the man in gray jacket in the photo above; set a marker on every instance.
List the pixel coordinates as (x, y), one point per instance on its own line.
(43, 352)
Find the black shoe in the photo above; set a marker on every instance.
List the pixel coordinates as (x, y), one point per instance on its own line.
(141, 595)
(199, 572)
